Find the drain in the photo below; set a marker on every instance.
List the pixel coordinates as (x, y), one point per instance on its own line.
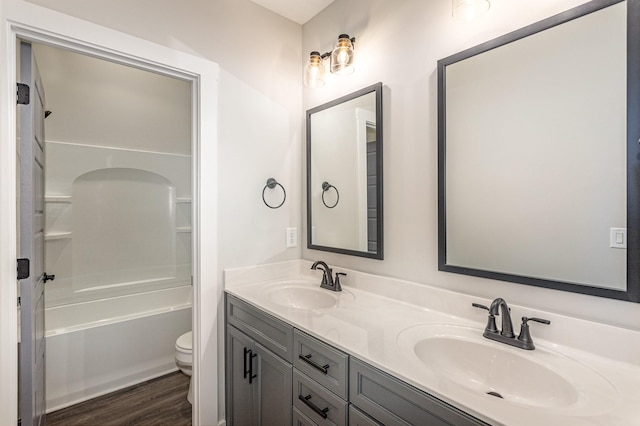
(496, 394)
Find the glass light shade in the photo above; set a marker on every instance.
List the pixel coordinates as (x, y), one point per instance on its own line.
(342, 56)
(314, 71)
(467, 10)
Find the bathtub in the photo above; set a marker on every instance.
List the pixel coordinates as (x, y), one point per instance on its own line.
(100, 346)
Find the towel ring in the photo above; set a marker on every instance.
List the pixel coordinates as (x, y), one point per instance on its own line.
(325, 187)
(272, 183)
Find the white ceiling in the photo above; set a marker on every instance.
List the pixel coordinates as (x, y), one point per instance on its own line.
(299, 11)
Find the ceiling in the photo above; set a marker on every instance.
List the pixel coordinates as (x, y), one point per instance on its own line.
(299, 11)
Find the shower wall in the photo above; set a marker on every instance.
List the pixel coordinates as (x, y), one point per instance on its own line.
(118, 221)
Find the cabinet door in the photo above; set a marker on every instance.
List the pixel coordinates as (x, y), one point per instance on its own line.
(393, 402)
(241, 400)
(274, 388)
(358, 418)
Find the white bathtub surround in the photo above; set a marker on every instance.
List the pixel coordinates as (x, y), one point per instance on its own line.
(378, 320)
(97, 347)
(142, 201)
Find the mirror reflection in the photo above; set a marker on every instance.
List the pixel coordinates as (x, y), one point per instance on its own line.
(533, 142)
(344, 174)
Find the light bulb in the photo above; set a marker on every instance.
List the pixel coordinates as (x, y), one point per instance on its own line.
(314, 71)
(342, 56)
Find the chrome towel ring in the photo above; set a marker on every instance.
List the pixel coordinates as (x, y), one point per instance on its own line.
(272, 183)
(325, 187)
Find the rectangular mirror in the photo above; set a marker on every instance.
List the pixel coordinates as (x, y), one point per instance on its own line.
(538, 154)
(344, 175)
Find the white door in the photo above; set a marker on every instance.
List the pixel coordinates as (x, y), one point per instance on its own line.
(32, 343)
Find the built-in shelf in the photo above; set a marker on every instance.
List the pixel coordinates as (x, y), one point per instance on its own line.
(183, 200)
(57, 236)
(184, 229)
(57, 198)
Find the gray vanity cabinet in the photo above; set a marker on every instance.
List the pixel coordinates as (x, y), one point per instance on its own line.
(240, 393)
(320, 382)
(278, 375)
(393, 402)
(258, 381)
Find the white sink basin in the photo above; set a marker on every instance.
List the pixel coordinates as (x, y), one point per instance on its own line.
(538, 378)
(305, 296)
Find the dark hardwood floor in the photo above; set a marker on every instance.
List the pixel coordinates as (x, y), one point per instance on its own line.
(158, 402)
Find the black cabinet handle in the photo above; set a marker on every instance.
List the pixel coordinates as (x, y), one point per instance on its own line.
(308, 360)
(246, 371)
(322, 413)
(251, 375)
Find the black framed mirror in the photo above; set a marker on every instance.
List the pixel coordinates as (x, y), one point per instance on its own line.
(539, 155)
(344, 175)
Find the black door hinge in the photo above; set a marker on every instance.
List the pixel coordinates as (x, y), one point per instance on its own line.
(23, 268)
(23, 94)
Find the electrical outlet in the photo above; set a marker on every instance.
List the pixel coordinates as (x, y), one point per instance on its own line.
(292, 237)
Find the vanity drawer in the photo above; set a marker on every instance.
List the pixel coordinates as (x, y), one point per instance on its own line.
(300, 419)
(393, 402)
(270, 332)
(317, 403)
(321, 362)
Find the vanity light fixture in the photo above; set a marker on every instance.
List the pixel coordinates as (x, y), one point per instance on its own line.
(341, 62)
(467, 10)
(314, 71)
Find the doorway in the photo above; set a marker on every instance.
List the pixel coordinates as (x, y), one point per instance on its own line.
(47, 27)
(118, 223)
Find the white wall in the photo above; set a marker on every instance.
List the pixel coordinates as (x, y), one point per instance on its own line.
(98, 102)
(399, 43)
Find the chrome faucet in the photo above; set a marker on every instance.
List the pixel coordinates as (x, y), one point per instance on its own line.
(327, 276)
(506, 335)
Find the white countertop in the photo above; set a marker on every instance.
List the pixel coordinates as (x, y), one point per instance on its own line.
(377, 329)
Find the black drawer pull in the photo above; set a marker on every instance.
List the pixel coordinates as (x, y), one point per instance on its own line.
(246, 370)
(251, 375)
(308, 360)
(321, 413)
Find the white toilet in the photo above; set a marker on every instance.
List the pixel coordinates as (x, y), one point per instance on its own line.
(184, 358)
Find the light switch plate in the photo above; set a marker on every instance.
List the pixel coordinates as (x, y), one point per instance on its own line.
(618, 238)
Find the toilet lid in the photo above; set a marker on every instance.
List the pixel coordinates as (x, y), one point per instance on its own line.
(185, 341)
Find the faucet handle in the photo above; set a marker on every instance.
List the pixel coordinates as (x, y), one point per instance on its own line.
(525, 335)
(491, 321)
(336, 282)
(477, 305)
(540, 320)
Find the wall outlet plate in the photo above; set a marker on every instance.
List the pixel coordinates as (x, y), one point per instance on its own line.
(292, 237)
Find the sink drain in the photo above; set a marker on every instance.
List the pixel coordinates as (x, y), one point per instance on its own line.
(496, 394)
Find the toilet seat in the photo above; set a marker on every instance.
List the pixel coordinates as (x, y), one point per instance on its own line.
(185, 342)
(184, 352)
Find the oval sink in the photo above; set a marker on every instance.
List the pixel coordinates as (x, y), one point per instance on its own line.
(307, 297)
(538, 378)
